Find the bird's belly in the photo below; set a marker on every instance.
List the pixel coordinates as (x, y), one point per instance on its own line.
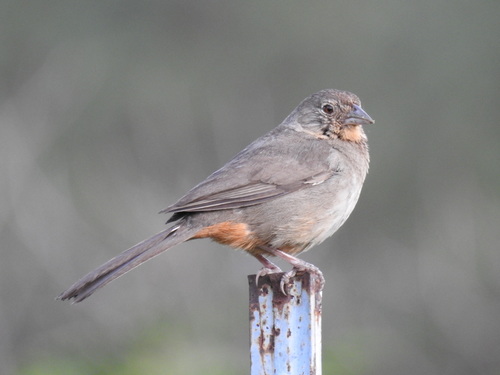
(336, 215)
(303, 223)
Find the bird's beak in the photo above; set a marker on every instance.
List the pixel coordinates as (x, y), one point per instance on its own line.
(358, 117)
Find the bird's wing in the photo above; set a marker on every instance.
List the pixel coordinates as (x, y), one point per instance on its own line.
(252, 193)
(268, 168)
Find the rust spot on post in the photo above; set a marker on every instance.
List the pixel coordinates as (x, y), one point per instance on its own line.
(298, 314)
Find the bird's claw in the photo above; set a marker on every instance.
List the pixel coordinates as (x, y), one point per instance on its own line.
(304, 267)
(264, 271)
(285, 279)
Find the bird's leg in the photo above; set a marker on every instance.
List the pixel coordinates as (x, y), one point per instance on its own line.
(269, 267)
(298, 266)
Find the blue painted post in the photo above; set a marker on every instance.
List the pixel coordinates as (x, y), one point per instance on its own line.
(285, 330)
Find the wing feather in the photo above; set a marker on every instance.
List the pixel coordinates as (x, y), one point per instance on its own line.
(246, 195)
(248, 180)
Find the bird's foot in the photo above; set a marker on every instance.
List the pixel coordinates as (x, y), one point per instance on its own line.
(299, 266)
(302, 267)
(264, 271)
(268, 269)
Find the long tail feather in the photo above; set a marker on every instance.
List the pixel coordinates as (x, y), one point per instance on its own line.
(126, 261)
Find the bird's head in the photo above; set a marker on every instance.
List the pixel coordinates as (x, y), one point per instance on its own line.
(331, 114)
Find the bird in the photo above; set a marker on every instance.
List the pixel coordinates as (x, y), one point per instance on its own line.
(284, 193)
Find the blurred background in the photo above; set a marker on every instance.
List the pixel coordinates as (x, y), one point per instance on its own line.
(111, 110)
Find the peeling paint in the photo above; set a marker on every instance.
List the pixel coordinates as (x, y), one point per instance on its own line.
(298, 313)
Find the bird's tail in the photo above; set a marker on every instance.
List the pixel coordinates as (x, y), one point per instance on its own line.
(126, 261)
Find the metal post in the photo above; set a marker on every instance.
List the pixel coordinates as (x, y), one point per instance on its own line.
(285, 330)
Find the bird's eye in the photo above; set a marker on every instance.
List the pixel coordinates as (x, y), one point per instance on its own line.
(328, 109)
